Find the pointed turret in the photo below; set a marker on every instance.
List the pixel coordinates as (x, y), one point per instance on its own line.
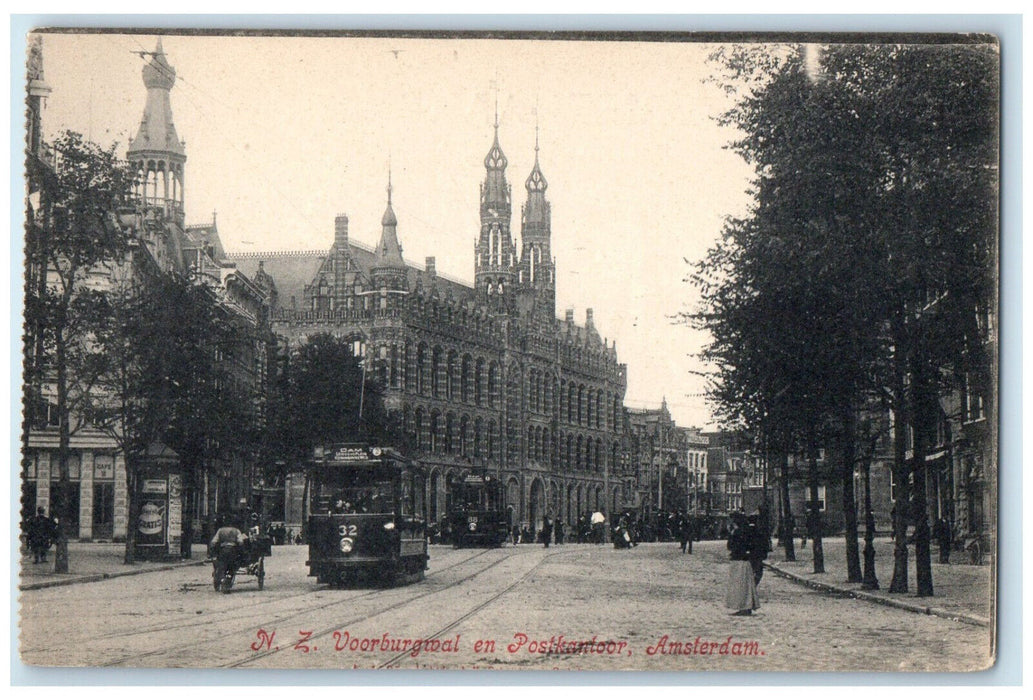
(496, 190)
(156, 150)
(389, 271)
(389, 252)
(536, 264)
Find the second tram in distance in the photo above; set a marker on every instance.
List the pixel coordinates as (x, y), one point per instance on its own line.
(478, 517)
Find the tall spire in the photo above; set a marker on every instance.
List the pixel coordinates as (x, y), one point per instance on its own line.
(495, 253)
(389, 252)
(536, 182)
(536, 263)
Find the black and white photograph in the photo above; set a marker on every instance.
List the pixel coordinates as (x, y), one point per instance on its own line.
(573, 351)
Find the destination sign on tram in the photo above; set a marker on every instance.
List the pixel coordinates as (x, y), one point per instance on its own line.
(348, 453)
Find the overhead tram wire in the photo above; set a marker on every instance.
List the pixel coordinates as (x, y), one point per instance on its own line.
(144, 56)
(144, 53)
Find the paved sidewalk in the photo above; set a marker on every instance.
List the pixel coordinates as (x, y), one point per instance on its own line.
(94, 561)
(961, 591)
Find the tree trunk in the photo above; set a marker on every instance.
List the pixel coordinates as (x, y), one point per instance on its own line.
(924, 406)
(849, 457)
(63, 510)
(898, 584)
(788, 522)
(133, 503)
(814, 515)
(869, 581)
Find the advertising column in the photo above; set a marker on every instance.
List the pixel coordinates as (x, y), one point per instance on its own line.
(152, 523)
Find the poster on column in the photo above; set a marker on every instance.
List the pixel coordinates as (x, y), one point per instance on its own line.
(549, 351)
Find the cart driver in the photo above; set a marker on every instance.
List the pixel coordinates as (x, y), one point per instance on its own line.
(227, 544)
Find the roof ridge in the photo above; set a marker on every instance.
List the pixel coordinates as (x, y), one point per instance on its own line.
(276, 253)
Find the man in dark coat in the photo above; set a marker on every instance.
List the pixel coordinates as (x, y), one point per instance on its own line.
(546, 531)
(685, 534)
(559, 531)
(41, 534)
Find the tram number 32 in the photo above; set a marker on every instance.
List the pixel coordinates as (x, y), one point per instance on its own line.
(348, 530)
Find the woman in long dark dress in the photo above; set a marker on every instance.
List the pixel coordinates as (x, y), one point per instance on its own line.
(742, 589)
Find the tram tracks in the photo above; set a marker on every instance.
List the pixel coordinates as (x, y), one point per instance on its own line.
(273, 621)
(317, 634)
(200, 619)
(470, 613)
(249, 614)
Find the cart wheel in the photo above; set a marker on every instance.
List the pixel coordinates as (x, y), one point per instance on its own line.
(261, 573)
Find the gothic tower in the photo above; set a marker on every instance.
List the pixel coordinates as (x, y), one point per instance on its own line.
(495, 253)
(156, 151)
(537, 269)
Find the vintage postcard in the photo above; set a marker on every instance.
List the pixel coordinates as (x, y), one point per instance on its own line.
(316, 377)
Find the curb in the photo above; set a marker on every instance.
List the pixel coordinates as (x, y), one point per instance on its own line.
(91, 578)
(881, 600)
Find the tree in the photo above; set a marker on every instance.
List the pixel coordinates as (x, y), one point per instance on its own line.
(855, 277)
(76, 231)
(164, 382)
(317, 398)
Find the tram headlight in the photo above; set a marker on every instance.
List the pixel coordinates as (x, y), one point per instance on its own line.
(389, 526)
(347, 544)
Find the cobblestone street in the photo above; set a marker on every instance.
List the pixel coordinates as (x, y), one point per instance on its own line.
(569, 607)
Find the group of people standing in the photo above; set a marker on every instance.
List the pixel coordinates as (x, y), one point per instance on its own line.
(40, 534)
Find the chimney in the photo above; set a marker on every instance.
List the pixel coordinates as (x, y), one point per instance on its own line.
(588, 318)
(341, 232)
(431, 267)
(570, 316)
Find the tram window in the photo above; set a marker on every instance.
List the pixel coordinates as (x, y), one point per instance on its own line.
(374, 497)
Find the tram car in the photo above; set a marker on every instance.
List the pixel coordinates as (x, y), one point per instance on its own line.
(367, 519)
(477, 515)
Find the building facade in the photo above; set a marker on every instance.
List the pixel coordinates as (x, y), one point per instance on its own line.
(485, 376)
(185, 495)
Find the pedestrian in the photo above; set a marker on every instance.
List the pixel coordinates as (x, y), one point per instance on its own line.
(546, 531)
(806, 525)
(42, 532)
(559, 531)
(741, 594)
(684, 534)
(598, 519)
(942, 534)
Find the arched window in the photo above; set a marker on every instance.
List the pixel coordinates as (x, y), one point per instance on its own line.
(435, 427)
(465, 383)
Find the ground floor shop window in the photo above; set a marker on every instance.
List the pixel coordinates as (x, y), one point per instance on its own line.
(71, 495)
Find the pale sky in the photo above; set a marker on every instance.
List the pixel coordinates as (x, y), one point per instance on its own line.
(284, 133)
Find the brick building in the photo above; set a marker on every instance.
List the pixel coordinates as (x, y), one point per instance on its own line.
(485, 376)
